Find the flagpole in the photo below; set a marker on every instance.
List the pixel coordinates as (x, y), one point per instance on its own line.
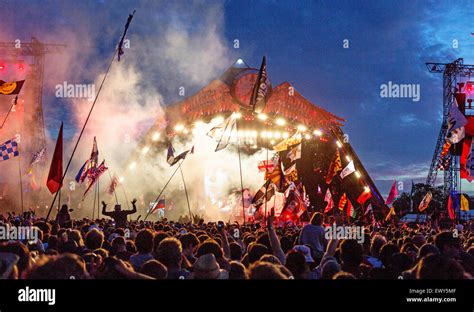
(240, 169)
(5, 120)
(111, 181)
(87, 119)
(266, 187)
(93, 205)
(163, 189)
(98, 197)
(186, 192)
(21, 183)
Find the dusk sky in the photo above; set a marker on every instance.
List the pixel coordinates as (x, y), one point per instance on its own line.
(190, 43)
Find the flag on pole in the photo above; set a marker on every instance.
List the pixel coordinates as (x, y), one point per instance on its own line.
(160, 204)
(392, 194)
(391, 213)
(261, 90)
(37, 157)
(54, 182)
(113, 185)
(348, 169)
(9, 149)
(295, 153)
(369, 209)
(456, 123)
(364, 196)
(94, 160)
(342, 202)
(94, 175)
(351, 213)
(170, 155)
(451, 212)
(120, 45)
(12, 87)
(465, 159)
(82, 174)
(464, 203)
(264, 166)
(329, 201)
(291, 174)
(259, 199)
(334, 167)
(223, 132)
(425, 202)
(173, 160)
(276, 176)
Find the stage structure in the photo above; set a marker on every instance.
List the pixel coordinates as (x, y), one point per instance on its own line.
(286, 114)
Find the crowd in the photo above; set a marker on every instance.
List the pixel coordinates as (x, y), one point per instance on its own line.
(114, 247)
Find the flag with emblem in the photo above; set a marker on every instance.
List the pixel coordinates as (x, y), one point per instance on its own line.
(456, 123)
(261, 90)
(9, 149)
(264, 166)
(276, 176)
(329, 201)
(334, 167)
(12, 87)
(295, 153)
(342, 202)
(291, 174)
(349, 169)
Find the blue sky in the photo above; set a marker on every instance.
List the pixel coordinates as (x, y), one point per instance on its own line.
(303, 42)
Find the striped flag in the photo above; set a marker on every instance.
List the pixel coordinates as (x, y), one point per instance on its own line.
(342, 202)
(351, 213)
(334, 167)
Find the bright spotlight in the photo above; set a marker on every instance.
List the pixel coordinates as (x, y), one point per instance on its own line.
(277, 135)
(286, 135)
(366, 189)
(307, 136)
(280, 121)
(179, 127)
(348, 158)
(263, 134)
(121, 179)
(317, 132)
(262, 116)
(301, 128)
(272, 142)
(132, 165)
(357, 174)
(156, 136)
(145, 150)
(217, 120)
(338, 144)
(199, 123)
(237, 115)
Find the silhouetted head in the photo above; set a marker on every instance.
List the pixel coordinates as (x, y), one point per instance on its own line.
(118, 207)
(64, 209)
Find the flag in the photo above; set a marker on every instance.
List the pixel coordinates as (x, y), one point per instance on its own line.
(369, 209)
(54, 182)
(329, 201)
(364, 196)
(113, 185)
(120, 45)
(9, 149)
(465, 159)
(223, 132)
(295, 153)
(264, 166)
(294, 204)
(276, 176)
(12, 87)
(37, 157)
(286, 143)
(94, 160)
(160, 204)
(348, 169)
(334, 167)
(425, 202)
(456, 123)
(451, 212)
(392, 194)
(351, 213)
(261, 90)
(342, 202)
(181, 156)
(291, 175)
(269, 189)
(170, 155)
(82, 174)
(464, 203)
(94, 175)
(391, 212)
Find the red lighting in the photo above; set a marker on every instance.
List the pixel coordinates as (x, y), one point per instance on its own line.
(2, 66)
(21, 66)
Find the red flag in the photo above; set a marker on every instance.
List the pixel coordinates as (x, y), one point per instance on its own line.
(393, 194)
(56, 170)
(451, 213)
(364, 196)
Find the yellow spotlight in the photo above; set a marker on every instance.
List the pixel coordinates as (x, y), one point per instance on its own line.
(132, 165)
(280, 121)
(179, 127)
(317, 132)
(307, 136)
(357, 174)
(286, 135)
(262, 116)
(237, 115)
(338, 144)
(301, 128)
(348, 158)
(145, 150)
(156, 136)
(366, 189)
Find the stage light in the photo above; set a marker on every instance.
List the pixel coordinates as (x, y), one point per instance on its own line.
(237, 115)
(286, 135)
(179, 127)
(121, 179)
(272, 142)
(338, 144)
(185, 131)
(307, 136)
(2, 66)
(156, 136)
(132, 166)
(263, 134)
(254, 134)
(301, 128)
(262, 116)
(277, 134)
(21, 66)
(317, 132)
(280, 121)
(217, 120)
(199, 123)
(269, 134)
(145, 150)
(366, 189)
(469, 86)
(348, 158)
(357, 174)
(239, 62)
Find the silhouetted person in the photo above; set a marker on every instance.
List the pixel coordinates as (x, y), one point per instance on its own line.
(119, 215)
(63, 217)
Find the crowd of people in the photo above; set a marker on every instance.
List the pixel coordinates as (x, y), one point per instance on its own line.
(115, 247)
